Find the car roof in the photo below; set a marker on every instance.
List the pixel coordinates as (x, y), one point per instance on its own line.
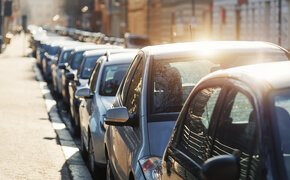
(120, 58)
(70, 46)
(84, 47)
(62, 43)
(208, 47)
(109, 49)
(275, 74)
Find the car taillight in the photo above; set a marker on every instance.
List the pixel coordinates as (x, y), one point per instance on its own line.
(151, 168)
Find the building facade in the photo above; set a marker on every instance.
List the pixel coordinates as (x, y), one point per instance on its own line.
(107, 17)
(183, 20)
(258, 20)
(165, 21)
(137, 17)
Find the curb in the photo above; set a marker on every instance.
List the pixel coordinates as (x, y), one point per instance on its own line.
(76, 165)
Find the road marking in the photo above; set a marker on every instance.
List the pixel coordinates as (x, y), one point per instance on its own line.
(78, 169)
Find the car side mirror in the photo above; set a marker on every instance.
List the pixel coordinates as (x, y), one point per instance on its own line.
(61, 66)
(224, 167)
(83, 93)
(117, 116)
(69, 76)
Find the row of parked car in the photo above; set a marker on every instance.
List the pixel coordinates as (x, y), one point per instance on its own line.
(176, 111)
(129, 40)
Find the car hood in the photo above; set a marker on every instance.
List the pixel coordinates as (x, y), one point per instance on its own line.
(159, 135)
(107, 101)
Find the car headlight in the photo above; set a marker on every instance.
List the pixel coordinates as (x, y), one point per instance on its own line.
(151, 168)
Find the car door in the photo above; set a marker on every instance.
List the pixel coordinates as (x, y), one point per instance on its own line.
(87, 104)
(193, 134)
(127, 138)
(237, 131)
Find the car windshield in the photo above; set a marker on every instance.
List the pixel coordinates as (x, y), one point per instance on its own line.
(111, 78)
(65, 55)
(53, 50)
(172, 80)
(88, 66)
(77, 57)
(281, 110)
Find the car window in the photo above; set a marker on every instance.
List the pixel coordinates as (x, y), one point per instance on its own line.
(75, 61)
(111, 78)
(235, 133)
(64, 56)
(94, 78)
(195, 139)
(134, 90)
(87, 66)
(128, 77)
(281, 119)
(53, 50)
(173, 80)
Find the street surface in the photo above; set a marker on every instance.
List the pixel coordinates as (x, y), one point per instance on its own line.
(29, 145)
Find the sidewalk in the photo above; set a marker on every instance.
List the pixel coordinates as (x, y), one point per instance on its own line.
(29, 147)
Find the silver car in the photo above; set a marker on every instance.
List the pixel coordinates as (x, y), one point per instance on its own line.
(81, 79)
(153, 92)
(98, 97)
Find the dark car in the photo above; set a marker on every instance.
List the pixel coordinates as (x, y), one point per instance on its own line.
(70, 70)
(81, 78)
(234, 125)
(50, 56)
(56, 71)
(153, 92)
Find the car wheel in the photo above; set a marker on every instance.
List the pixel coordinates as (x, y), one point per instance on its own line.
(44, 71)
(91, 158)
(77, 127)
(109, 173)
(83, 149)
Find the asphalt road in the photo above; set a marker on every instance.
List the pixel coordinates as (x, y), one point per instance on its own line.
(29, 148)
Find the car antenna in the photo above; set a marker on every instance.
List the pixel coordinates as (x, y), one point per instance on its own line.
(108, 54)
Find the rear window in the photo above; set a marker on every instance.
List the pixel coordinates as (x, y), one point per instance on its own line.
(88, 66)
(76, 59)
(53, 50)
(111, 78)
(65, 55)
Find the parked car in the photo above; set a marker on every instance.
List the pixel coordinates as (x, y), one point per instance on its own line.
(153, 92)
(56, 71)
(51, 55)
(72, 65)
(104, 82)
(44, 43)
(81, 78)
(234, 125)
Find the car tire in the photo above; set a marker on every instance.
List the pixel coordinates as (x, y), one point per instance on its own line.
(109, 173)
(44, 71)
(91, 158)
(84, 152)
